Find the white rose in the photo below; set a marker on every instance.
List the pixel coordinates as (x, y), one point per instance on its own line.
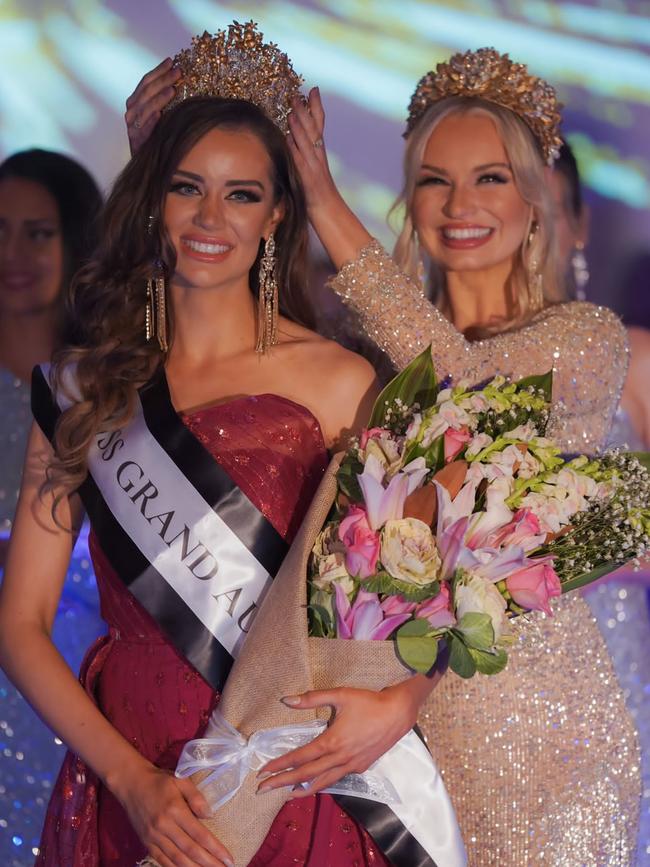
(409, 552)
(476, 594)
(331, 568)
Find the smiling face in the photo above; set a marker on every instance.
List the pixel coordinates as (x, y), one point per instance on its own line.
(219, 206)
(466, 208)
(31, 247)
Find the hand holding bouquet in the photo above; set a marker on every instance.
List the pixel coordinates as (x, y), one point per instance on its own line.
(454, 513)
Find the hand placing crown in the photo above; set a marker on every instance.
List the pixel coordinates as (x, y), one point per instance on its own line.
(486, 74)
(237, 64)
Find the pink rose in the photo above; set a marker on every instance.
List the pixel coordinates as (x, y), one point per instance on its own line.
(437, 610)
(534, 586)
(361, 543)
(368, 434)
(455, 440)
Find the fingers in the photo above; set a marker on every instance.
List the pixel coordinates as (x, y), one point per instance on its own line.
(316, 110)
(298, 757)
(305, 773)
(196, 801)
(168, 854)
(323, 781)
(198, 843)
(315, 698)
(304, 130)
(151, 77)
(151, 95)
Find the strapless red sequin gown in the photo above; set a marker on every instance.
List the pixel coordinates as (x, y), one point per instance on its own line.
(274, 450)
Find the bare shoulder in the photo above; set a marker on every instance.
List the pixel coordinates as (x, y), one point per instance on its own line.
(639, 344)
(335, 367)
(339, 386)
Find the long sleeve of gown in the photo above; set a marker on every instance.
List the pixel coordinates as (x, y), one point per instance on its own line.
(585, 345)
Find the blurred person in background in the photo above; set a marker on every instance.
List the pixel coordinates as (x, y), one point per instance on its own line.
(48, 209)
(631, 424)
(620, 602)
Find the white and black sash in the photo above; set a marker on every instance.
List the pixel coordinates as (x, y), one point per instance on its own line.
(182, 536)
(199, 556)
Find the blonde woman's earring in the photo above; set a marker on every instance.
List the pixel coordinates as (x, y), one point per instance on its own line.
(580, 270)
(535, 281)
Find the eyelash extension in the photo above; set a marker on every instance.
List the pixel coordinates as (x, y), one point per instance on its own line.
(430, 179)
(177, 186)
(494, 176)
(249, 194)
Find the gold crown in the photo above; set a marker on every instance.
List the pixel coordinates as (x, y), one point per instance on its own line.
(486, 74)
(237, 64)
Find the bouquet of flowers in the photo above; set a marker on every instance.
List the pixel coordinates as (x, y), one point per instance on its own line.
(449, 515)
(454, 513)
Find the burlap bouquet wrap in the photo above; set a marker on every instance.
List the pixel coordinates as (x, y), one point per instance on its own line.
(279, 658)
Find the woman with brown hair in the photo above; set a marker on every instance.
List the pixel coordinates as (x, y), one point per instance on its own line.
(193, 423)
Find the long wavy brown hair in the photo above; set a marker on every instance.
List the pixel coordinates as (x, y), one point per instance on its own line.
(110, 355)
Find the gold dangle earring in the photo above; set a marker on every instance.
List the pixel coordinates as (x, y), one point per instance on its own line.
(535, 280)
(267, 302)
(155, 311)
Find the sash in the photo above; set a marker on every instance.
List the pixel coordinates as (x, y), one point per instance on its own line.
(183, 537)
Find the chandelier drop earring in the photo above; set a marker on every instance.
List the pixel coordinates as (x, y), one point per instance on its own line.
(535, 288)
(580, 270)
(155, 311)
(267, 303)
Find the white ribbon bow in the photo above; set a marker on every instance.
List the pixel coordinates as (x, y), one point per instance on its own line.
(229, 758)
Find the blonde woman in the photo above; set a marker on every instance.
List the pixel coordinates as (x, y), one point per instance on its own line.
(541, 762)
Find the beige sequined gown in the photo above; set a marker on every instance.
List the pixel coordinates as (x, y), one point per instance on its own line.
(542, 761)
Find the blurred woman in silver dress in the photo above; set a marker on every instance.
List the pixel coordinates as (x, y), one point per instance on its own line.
(48, 207)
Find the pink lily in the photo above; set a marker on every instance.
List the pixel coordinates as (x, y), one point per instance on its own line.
(523, 530)
(364, 620)
(397, 605)
(387, 503)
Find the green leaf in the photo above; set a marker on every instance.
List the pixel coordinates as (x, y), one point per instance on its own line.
(543, 381)
(460, 659)
(415, 384)
(347, 478)
(321, 621)
(415, 645)
(477, 630)
(588, 577)
(384, 583)
(489, 663)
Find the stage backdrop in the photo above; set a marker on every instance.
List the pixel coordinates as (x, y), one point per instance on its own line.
(69, 65)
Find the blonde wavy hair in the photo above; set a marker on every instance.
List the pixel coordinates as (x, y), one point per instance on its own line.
(529, 175)
(108, 351)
